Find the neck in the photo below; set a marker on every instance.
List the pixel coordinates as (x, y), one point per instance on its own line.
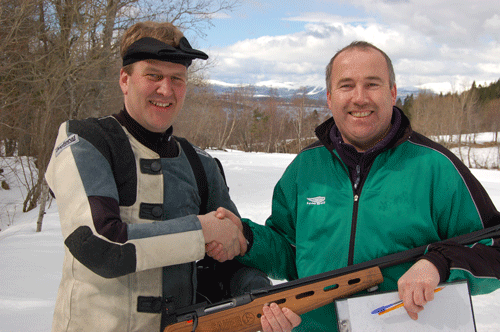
(377, 139)
(160, 143)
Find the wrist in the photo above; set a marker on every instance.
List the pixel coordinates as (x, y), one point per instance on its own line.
(206, 228)
(441, 264)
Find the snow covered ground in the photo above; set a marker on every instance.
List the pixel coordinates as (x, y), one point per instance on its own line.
(30, 262)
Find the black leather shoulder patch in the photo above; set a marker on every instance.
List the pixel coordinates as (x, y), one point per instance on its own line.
(107, 136)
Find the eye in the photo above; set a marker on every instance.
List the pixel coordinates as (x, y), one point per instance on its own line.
(178, 79)
(154, 77)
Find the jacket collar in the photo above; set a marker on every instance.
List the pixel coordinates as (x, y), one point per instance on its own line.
(358, 163)
(161, 143)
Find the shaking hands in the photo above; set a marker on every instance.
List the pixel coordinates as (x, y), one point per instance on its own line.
(223, 234)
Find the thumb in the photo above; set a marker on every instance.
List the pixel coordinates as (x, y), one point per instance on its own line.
(221, 213)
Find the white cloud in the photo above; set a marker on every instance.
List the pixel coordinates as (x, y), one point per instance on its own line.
(490, 53)
(444, 87)
(436, 43)
(490, 67)
(493, 23)
(459, 22)
(219, 16)
(323, 17)
(307, 52)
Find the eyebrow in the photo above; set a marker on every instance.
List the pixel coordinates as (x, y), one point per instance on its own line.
(370, 78)
(152, 67)
(374, 78)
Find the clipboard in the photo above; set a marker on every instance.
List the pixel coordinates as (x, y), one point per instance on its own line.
(451, 310)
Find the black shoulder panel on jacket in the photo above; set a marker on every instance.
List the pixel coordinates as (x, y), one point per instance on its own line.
(316, 144)
(107, 136)
(107, 259)
(487, 210)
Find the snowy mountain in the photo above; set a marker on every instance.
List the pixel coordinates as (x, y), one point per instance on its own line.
(289, 90)
(264, 90)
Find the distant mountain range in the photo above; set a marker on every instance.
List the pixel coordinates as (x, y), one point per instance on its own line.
(288, 92)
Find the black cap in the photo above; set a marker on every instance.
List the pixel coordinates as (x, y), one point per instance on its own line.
(151, 48)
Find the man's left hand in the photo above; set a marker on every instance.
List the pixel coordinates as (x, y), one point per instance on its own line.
(416, 287)
(276, 319)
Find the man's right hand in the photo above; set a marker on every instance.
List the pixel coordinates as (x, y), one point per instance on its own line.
(215, 249)
(222, 235)
(416, 287)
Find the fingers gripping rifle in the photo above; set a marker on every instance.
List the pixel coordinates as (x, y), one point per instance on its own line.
(302, 295)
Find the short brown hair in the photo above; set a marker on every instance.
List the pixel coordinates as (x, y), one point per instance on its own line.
(163, 31)
(362, 45)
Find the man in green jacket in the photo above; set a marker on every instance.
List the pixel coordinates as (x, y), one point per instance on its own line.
(370, 187)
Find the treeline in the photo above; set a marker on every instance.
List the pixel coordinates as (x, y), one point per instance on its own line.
(455, 115)
(240, 120)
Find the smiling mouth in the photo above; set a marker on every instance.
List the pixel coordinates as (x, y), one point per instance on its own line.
(161, 104)
(360, 114)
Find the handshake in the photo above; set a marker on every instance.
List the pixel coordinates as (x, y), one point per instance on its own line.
(223, 232)
(224, 240)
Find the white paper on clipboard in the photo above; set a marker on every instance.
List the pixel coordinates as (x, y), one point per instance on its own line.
(451, 310)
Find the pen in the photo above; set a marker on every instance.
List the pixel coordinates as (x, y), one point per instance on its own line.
(393, 306)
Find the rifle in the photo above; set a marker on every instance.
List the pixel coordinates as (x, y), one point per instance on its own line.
(302, 295)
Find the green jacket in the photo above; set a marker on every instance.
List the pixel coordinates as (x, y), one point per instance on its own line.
(414, 192)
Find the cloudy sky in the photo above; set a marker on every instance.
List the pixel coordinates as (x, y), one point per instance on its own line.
(438, 44)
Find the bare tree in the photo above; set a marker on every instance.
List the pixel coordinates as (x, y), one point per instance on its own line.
(236, 112)
(201, 118)
(59, 61)
(491, 118)
(276, 119)
(299, 114)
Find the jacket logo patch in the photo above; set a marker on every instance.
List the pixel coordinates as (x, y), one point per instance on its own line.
(67, 142)
(320, 200)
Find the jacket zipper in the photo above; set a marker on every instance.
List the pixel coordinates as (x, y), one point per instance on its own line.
(356, 192)
(356, 188)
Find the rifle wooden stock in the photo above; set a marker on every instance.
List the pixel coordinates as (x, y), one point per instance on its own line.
(302, 299)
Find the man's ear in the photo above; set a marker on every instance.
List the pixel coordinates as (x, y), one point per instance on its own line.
(328, 101)
(124, 77)
(394, 94)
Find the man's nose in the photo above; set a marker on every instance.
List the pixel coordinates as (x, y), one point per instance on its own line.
(165, 87)
(359, 94)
